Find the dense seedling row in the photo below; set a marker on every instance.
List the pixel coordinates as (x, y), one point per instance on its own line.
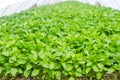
(62, 41)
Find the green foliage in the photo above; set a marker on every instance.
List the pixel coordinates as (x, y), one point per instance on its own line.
(68, 39)
(35, 72)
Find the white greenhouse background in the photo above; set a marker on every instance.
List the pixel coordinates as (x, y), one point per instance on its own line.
(8, 7)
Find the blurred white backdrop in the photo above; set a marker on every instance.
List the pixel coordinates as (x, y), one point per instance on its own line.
(5, 3)
(8, 7)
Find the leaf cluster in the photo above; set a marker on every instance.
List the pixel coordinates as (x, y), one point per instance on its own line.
(68, 39)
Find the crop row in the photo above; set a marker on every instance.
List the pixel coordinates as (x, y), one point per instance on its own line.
(66, 40)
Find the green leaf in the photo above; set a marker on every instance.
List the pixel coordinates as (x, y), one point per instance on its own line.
(100, 65)
(58, 75)
(99, 75)
(110, 70)
(13, 58)
(87, 70)
(45, 64)
(45, 70)
(21, 61)
(35, 72)
(41, 54)
(5, 53)
(27, 73)
(1, 69)
(89, 63)
(2, 58)
(71, 78)
(20, 70)
(29, 66)
(95, 68)
(52, 65)
(78, 74)
(67, 67)
(13, 71)
(79, 70)
(34, 55)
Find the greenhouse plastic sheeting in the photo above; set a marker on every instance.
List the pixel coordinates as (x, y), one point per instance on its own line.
(11, 9)
(44, 2)
(26, 4)
(17, 7)
(20, 6)
(115, 4)
(92, 2)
